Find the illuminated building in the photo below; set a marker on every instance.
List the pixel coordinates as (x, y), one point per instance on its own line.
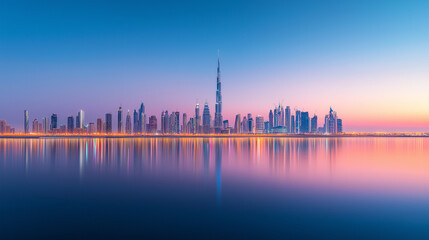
(54, 119)
(339, 126)
(35, 126)
(314, 124)
(218, 110)
(244, 125)
(305, 123)
(197, 119)
(99, 125)
(136, 122)
(270, 120)
(128, 123)
(237, 125)
(108, 123)
(142, 119)
(292, 124)
(26, 127)
(259, 124)
(184, 123)
(120, 120)
(80, 119)
(282, 116)
(287, 118)
(70, 124)
(297, 121)
(206, 119)
(153, 124)
(176, 122)
(46, 125)
(251, 125)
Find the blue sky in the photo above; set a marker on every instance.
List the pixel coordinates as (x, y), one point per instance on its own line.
(357, 56)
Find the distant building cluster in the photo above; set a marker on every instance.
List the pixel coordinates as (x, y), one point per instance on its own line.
(280, 120)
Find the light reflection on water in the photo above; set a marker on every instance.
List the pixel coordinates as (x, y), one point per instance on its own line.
(236, 168)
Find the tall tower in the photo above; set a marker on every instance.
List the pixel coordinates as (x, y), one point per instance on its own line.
(218, 112)
(26, 127)
(120, 120)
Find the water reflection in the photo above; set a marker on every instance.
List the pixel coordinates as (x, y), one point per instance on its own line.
(351, 162)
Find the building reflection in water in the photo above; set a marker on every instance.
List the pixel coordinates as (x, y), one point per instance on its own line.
(211, 159)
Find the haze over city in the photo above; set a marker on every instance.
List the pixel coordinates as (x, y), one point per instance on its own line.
(368, 61)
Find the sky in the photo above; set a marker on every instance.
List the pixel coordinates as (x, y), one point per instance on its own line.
(368, 60)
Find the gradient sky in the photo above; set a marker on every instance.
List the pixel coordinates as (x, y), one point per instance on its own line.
(369, 60)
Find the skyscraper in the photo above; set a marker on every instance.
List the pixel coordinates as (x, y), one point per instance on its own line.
(142, 119)
(314, 124)
(259, 124)
(135, 122)
(339, 125)
(282, 116)
(176, 122)
(292, 124)
(54, 119)
(197, 118)
(120, 120)
(206, 119)
(218, 110)
(153, 125)
(305, 123)
(70, 124)
(184, 123)
(81, 122)
(237, 125)
(99, 125)
(46, 124)
(26, 127)
(287, 118)
(128, 123)
(35, 126)
(270, 120)
(108, 123)
(297, 121)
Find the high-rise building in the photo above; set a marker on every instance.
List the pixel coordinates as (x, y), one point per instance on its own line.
(99, 125)
(70, 124)
(292, 124)
(153, 124)
(163, 124)
(282, 116)
(35, 126)
(142, 119)
(176, 122)
(270, 120)
(197, 119)
(136, 122)
(46, 125)
(276, 118)
(237, 125)
(26, 126)
(332, 121)
(108, 123)
(218, 110)
(81, 118)
(251, 125)
(120, 120)
(259, 124)
(54, 119)
(305, 123)
(297, 121)
(314, 124)
(244, 125)
(184, 123)
(225, 124)
(128, 123)
(287, 118)
(339, 125)
(206, 119)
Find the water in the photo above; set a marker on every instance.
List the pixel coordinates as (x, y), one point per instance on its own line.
(206, 188)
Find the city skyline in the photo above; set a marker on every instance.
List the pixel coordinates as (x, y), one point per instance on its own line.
(367, 60)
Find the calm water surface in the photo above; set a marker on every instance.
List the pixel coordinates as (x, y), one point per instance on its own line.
(215, 188)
